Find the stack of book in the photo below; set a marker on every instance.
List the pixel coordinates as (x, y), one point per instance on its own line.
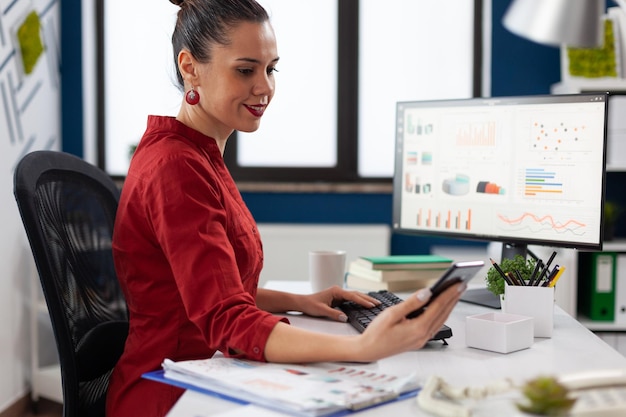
(395, 272)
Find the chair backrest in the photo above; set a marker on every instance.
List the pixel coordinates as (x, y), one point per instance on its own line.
(68, 208)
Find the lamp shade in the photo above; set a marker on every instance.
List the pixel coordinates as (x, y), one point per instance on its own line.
(556, 22)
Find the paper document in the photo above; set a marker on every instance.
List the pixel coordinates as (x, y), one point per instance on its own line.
(309, 390)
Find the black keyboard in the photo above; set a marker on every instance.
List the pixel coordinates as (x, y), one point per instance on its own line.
(360, 317)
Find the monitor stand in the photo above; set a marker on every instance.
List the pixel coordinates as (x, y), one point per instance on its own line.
(481, 296)
(484, 297)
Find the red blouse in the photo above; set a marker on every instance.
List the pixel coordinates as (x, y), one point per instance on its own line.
(188, 255)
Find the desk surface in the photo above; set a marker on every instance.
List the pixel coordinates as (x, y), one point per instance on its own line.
(572, 348)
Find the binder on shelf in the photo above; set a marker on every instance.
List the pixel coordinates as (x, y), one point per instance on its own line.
(596, 295)
(620, 289)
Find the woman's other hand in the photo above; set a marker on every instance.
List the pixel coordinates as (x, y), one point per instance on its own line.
(321, 304)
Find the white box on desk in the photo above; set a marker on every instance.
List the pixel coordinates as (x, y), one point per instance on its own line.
(499, 332)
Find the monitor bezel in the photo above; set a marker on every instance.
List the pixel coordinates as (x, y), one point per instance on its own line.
(513, 242)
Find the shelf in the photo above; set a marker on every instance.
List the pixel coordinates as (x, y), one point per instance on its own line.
(617, 245)
(589, 85)
(48, 383)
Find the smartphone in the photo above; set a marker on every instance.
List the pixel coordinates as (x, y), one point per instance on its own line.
(457, 272)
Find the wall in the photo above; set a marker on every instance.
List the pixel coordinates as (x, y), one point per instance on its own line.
(286, 246)
(519, 66)
(29, 120)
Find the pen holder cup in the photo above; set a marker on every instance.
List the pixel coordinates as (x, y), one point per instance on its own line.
(535, 302)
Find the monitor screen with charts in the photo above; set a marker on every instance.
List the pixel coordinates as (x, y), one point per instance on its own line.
(519, 170)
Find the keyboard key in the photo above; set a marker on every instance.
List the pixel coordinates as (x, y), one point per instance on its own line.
(360, 317)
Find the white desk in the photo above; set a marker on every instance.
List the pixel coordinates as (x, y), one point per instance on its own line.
(572, 348)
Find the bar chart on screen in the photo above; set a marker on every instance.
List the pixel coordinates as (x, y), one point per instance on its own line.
(447, 219)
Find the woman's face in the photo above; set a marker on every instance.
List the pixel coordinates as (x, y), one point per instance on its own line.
(237, 85)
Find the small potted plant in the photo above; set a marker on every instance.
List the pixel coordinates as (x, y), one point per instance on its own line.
(545, 396)
(495, 282)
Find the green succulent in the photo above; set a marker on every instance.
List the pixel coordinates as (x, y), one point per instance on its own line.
(546, 397)
(495, 282)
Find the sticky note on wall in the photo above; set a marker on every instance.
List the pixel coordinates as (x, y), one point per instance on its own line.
(29, 41)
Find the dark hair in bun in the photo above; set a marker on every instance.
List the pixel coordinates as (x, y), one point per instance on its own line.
(204, 23)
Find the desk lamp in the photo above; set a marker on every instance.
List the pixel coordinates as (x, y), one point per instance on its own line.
(574, 23)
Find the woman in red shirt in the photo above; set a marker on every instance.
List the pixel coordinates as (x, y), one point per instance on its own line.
(187, 250)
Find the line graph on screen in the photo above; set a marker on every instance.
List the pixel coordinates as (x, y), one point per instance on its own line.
(541, 223)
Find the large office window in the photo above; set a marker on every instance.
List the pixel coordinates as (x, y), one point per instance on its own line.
(408, 50)
(137, 74)
(299, 128)
(344, 64)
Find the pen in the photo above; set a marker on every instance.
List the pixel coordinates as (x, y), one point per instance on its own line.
(533, 276)
(545, 269)
(556, 277)
(550, 276)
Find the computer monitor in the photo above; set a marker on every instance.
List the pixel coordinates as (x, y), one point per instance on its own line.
(519, 170)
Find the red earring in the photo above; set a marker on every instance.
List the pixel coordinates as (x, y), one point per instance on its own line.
(192, 97)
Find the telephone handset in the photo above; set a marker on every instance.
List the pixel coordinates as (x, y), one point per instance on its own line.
(599, 393)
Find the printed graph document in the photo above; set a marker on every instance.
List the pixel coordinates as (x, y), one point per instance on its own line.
(319, 389)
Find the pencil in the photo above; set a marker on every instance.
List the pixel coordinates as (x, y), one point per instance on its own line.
(512, 280)
(557, 276)
(551, 275)
(500, 271)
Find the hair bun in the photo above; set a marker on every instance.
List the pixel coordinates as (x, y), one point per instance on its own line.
(177, 2)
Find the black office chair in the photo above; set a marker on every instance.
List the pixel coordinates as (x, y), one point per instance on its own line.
(68, 209)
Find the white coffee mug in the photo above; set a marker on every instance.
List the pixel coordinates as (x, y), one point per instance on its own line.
(326, 268)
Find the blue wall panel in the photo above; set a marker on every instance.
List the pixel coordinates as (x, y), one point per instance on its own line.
(71, 78)
(336, 208)
(519, 66)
